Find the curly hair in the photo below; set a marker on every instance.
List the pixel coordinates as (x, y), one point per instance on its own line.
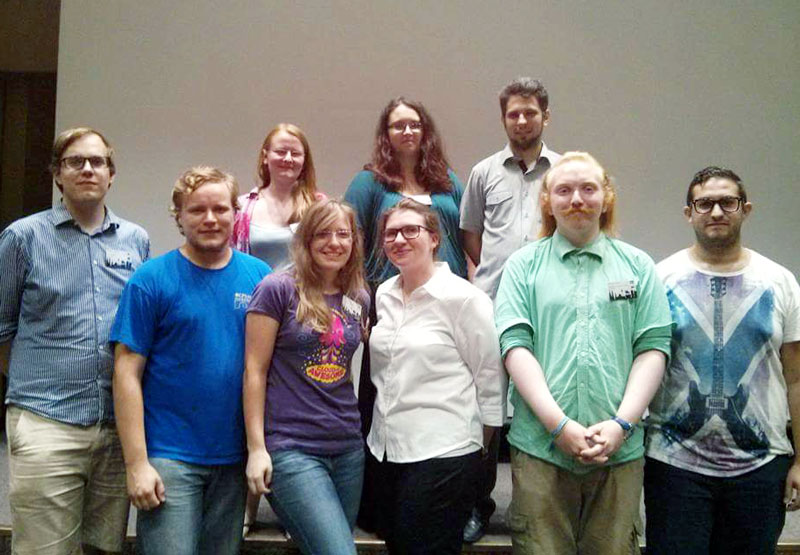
(304, 193)
(312, 309)
(194, 178)
(432, 165)
(714, 171)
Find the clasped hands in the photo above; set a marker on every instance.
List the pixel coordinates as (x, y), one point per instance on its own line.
(592, 445)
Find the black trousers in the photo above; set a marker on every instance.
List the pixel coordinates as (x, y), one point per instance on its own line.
(422, 507)
(366, 403)
(487, 478)
(693, 514)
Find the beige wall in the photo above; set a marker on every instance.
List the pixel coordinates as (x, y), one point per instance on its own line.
(655, 89)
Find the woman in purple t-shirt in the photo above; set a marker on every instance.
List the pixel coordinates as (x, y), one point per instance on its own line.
(301, 414)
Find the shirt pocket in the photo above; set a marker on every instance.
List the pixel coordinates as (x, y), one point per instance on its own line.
(498, 196)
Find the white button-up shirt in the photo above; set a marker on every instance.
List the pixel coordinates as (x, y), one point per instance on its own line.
(436, 364)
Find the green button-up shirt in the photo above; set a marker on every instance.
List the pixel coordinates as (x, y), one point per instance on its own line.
(589, 311)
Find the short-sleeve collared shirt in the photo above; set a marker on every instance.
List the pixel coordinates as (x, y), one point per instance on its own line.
(59, 289)
(501, 203)
(585, 307)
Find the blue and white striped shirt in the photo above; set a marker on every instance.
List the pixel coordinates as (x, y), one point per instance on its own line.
(59, 289)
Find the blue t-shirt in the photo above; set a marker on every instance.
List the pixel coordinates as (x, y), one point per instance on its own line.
(189, 322)
(371, 199)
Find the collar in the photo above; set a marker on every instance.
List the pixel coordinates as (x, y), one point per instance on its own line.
(507, 154)
(59, 215)
(437, 286)
(563, 247)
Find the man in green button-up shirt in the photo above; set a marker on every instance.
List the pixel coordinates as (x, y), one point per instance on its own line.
(584, 329)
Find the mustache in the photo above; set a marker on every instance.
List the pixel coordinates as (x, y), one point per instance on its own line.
(574, 210)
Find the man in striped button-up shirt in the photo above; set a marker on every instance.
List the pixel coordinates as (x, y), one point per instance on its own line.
(61, 274)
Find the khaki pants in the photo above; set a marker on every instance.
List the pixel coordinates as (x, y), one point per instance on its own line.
(67, 485)
(556, 511)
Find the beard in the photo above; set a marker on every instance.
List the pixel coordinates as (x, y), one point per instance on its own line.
(524, 144)
(718, 243)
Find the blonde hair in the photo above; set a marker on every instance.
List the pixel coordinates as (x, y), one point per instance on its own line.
(607, 218)
(194, 178)
(304, 194)
(312, 310)
(63, 142)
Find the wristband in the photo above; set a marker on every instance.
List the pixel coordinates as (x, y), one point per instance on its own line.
(627, 427)
(560, 428)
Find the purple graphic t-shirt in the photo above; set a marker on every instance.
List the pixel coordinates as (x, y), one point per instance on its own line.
(311, 405)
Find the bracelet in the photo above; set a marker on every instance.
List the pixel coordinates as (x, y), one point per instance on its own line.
(627, 427)
(560, 428)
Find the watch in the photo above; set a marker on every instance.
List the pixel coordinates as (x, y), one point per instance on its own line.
(626, 426)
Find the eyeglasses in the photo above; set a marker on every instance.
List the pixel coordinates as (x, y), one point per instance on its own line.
(408, 232)
(78, 162)
(727, 204)
(400, 126)
(327, 235)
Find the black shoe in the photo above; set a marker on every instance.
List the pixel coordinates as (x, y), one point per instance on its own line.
(474, 529)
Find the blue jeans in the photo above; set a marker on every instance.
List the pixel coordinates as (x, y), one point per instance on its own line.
(691, 514)
(202, 514)
(316, 497)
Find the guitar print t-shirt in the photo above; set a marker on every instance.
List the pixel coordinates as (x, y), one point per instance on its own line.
(722, 408)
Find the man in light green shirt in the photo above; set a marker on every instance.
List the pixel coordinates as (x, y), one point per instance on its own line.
(584, 329)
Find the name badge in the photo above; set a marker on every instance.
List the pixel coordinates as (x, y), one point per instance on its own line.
(351, 307)
(119, 259)
(622, 290)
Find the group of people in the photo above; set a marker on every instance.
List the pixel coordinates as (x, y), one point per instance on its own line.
(224, 366)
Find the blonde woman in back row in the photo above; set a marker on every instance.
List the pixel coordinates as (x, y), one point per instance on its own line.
(271, 211)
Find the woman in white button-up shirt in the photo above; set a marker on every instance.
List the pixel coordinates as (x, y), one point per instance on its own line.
(440, 389)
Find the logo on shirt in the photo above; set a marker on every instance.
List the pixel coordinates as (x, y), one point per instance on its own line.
(119, 259)
(324, 365)
(621, 290)
(241, 300)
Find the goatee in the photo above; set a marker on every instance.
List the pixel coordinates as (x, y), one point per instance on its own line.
(526, 144)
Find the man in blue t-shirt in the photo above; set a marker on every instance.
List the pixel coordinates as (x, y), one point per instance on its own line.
(179, 360)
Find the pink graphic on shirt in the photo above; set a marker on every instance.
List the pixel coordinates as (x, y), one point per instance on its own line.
(324, 363)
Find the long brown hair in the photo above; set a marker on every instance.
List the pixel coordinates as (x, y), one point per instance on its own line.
(431, 169)
(304, 193)
(312, 309)
(607, 218)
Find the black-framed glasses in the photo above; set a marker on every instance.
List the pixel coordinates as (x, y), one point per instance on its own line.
(408, 232)
(328, 234)
(400, 126)
(727, 204)
(78, 162)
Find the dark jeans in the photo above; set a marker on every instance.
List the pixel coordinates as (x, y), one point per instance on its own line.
(422, 507)
(690, 513)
